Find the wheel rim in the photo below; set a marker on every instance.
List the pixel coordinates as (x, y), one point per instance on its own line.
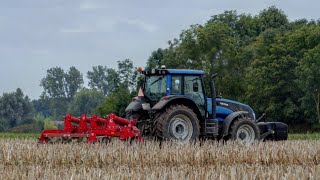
(246, 134)
(181, 128)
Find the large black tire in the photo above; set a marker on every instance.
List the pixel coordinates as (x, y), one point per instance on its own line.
(132, 115)
(177, 123)
(244, 130)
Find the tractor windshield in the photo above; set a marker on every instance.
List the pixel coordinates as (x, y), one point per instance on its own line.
(155, 87)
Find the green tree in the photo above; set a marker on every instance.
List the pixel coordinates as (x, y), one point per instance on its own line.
(42, 105)
(116, 102)
(271, 80)
(4, 124)
(58, 84)
(309, 73)
(98, 78)
(59, 88)
(272, 17)
(86, 102)
(112, 79)
(58, 107)
(74, 82)
(127, 74)
(103, 79)
(54, 83)
(155, 59)
(213, 48)
(15, 107)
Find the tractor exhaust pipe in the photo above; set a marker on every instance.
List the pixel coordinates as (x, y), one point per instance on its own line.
(213, 96)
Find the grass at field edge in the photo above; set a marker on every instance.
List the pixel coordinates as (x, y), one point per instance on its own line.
(307, 136)
(19, 135)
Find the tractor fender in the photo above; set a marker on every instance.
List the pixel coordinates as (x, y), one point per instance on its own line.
(169, 100)
(135, 105)
(229, 119)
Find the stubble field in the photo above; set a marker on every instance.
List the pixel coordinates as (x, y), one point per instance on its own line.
(24, 159)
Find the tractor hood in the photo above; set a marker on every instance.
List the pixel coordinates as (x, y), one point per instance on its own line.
(235, 106)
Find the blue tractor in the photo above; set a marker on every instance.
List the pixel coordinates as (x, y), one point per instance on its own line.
(172, 104)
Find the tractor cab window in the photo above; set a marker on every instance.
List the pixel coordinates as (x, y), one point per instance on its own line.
(193, 89)
(176, 84)
(155, 87)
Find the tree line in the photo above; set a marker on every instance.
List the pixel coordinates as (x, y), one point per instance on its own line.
(108, 90)
(265, 61)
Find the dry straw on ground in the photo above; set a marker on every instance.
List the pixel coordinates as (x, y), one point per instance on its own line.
(23, 159)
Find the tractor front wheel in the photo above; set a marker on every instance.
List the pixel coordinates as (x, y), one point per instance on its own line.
(245, 131)
(178, 123)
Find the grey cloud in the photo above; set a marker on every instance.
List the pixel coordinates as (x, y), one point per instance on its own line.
(143, 25)
(108, 25)
(88, 5)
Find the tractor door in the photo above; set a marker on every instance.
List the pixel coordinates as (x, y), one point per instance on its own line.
(176, 85)
(193, 89)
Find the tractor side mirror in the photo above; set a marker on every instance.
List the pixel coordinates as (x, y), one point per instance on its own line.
(214, 75)
(195, 87)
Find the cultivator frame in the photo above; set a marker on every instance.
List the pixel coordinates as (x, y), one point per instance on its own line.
(92, 129)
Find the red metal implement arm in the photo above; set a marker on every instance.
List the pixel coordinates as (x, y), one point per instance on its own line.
(94, 127)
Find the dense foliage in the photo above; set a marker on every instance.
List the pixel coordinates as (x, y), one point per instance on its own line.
(265, 60)
(15, 109)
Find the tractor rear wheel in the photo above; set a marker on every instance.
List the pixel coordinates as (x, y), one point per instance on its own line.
(244, 130)
(178, 123)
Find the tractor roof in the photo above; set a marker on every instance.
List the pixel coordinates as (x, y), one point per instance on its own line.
(185, 71)
(173, 71)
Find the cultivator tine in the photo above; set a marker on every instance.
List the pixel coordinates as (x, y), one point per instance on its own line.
(92, 129)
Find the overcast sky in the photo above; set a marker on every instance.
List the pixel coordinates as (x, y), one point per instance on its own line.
(36, 35)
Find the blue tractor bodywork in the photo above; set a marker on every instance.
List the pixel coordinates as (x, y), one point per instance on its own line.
(225, 107)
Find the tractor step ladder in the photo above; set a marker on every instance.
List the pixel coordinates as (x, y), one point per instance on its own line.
(211, 127)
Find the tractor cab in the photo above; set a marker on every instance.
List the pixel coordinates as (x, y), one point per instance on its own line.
(160, 83)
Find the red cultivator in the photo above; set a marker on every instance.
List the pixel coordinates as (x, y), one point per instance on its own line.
(92, 129)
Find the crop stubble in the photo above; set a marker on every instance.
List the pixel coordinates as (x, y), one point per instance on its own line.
(23, 159)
